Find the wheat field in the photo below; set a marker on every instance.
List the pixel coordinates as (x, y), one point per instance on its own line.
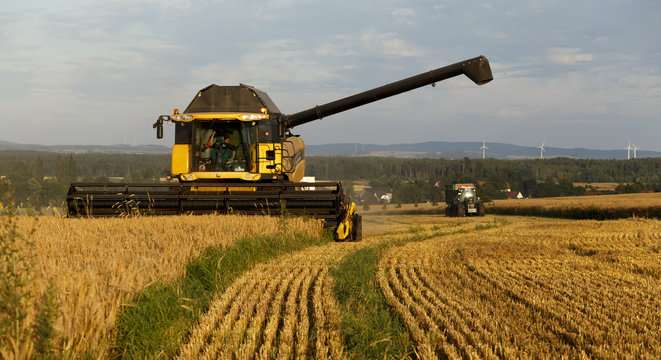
(285, 309)
(96, 265)
(491, 287)
(609, 202)
(533, 288)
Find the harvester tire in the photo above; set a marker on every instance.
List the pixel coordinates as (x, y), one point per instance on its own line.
(448, 211)
(357, 231)
(480, 209)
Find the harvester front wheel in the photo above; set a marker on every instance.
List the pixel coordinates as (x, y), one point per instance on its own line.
(357, 230)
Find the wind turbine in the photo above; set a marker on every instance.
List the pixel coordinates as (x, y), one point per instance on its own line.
(484, 147)
(629, 148)
(635, 149)
(541, 150)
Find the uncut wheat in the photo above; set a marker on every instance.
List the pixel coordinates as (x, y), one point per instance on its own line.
(98, 264)
(639, 202)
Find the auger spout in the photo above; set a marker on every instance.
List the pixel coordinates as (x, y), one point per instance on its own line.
(477, 69)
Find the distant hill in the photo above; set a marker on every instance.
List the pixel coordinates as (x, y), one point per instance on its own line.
(459, 150)
(431, 149)
(82, 149)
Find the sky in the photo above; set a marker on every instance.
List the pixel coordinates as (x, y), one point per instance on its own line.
(566, 73)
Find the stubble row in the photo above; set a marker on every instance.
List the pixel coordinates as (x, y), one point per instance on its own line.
(279, 310)
(526, 288)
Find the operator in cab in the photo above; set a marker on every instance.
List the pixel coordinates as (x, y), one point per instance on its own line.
(223, 152)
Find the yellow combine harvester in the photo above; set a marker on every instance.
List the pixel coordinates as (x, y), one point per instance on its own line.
(234, 152)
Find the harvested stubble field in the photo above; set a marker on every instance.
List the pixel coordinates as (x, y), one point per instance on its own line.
(491, 287)
(599, 207)
(286, 308)
(97, 265)
(533, 288)
(282, 309)
(473, 288)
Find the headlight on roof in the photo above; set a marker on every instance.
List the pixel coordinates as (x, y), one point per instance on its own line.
(181, 117)
(253, 116)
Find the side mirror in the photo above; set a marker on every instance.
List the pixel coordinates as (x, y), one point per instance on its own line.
(158, 125)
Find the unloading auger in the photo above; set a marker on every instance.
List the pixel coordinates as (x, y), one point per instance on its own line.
(234, 152)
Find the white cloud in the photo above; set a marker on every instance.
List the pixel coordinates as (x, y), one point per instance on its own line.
(404, 16)
(95, 35)
(5, 32)
(598, 110)
(389, 44)
(323, 50)
(509, 113)
(494, 35)
(568, 56)
(341, 45)
(266, 68)
(122, 5)
(403, 12)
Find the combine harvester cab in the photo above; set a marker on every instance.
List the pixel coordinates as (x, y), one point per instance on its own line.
(234, 152)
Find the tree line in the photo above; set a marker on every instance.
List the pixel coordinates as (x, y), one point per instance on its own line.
(414, 180)
(37, 179)
(42, 178)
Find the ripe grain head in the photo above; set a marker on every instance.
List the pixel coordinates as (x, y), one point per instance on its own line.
(97, 264)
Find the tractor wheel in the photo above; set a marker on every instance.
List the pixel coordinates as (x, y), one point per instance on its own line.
(357, 232)
(461, 210)
(448, 211)
(480, 209)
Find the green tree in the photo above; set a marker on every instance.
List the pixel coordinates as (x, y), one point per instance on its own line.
(34, 199)
(39, 169)
(407, 193)
(71, 168)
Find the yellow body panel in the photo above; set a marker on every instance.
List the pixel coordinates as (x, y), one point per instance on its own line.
(225, 116)
(298, 173)
(223, 188)
(181, 154)
(219, 175)
(263, 163)
(293, 160)
(345, 227)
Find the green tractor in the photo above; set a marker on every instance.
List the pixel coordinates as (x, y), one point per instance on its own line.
(462, 200)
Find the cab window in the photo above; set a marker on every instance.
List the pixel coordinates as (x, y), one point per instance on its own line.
(221, 145)
(267, 131)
